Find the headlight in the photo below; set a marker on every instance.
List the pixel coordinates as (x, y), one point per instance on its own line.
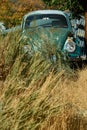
(70, 45)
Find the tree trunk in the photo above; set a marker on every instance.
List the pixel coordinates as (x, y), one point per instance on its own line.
(86, 26)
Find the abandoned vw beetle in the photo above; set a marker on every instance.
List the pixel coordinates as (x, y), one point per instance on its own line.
(52, 26)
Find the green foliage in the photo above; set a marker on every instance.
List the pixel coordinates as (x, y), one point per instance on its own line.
(58, 4)
(73, 5)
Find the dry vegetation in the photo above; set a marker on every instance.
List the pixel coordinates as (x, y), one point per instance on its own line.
(14, 10)
(38, 95)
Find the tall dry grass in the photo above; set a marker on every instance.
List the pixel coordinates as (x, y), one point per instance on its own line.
(38, 94)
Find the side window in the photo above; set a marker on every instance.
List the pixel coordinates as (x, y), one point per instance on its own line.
(27, 23)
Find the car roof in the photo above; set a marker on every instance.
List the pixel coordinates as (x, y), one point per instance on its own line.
(45, 12)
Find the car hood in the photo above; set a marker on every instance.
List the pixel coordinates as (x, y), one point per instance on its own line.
(54, 35)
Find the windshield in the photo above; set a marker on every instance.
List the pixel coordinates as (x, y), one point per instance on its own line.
(46, 20)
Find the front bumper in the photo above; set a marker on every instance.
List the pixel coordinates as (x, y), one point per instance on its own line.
(79, 58)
